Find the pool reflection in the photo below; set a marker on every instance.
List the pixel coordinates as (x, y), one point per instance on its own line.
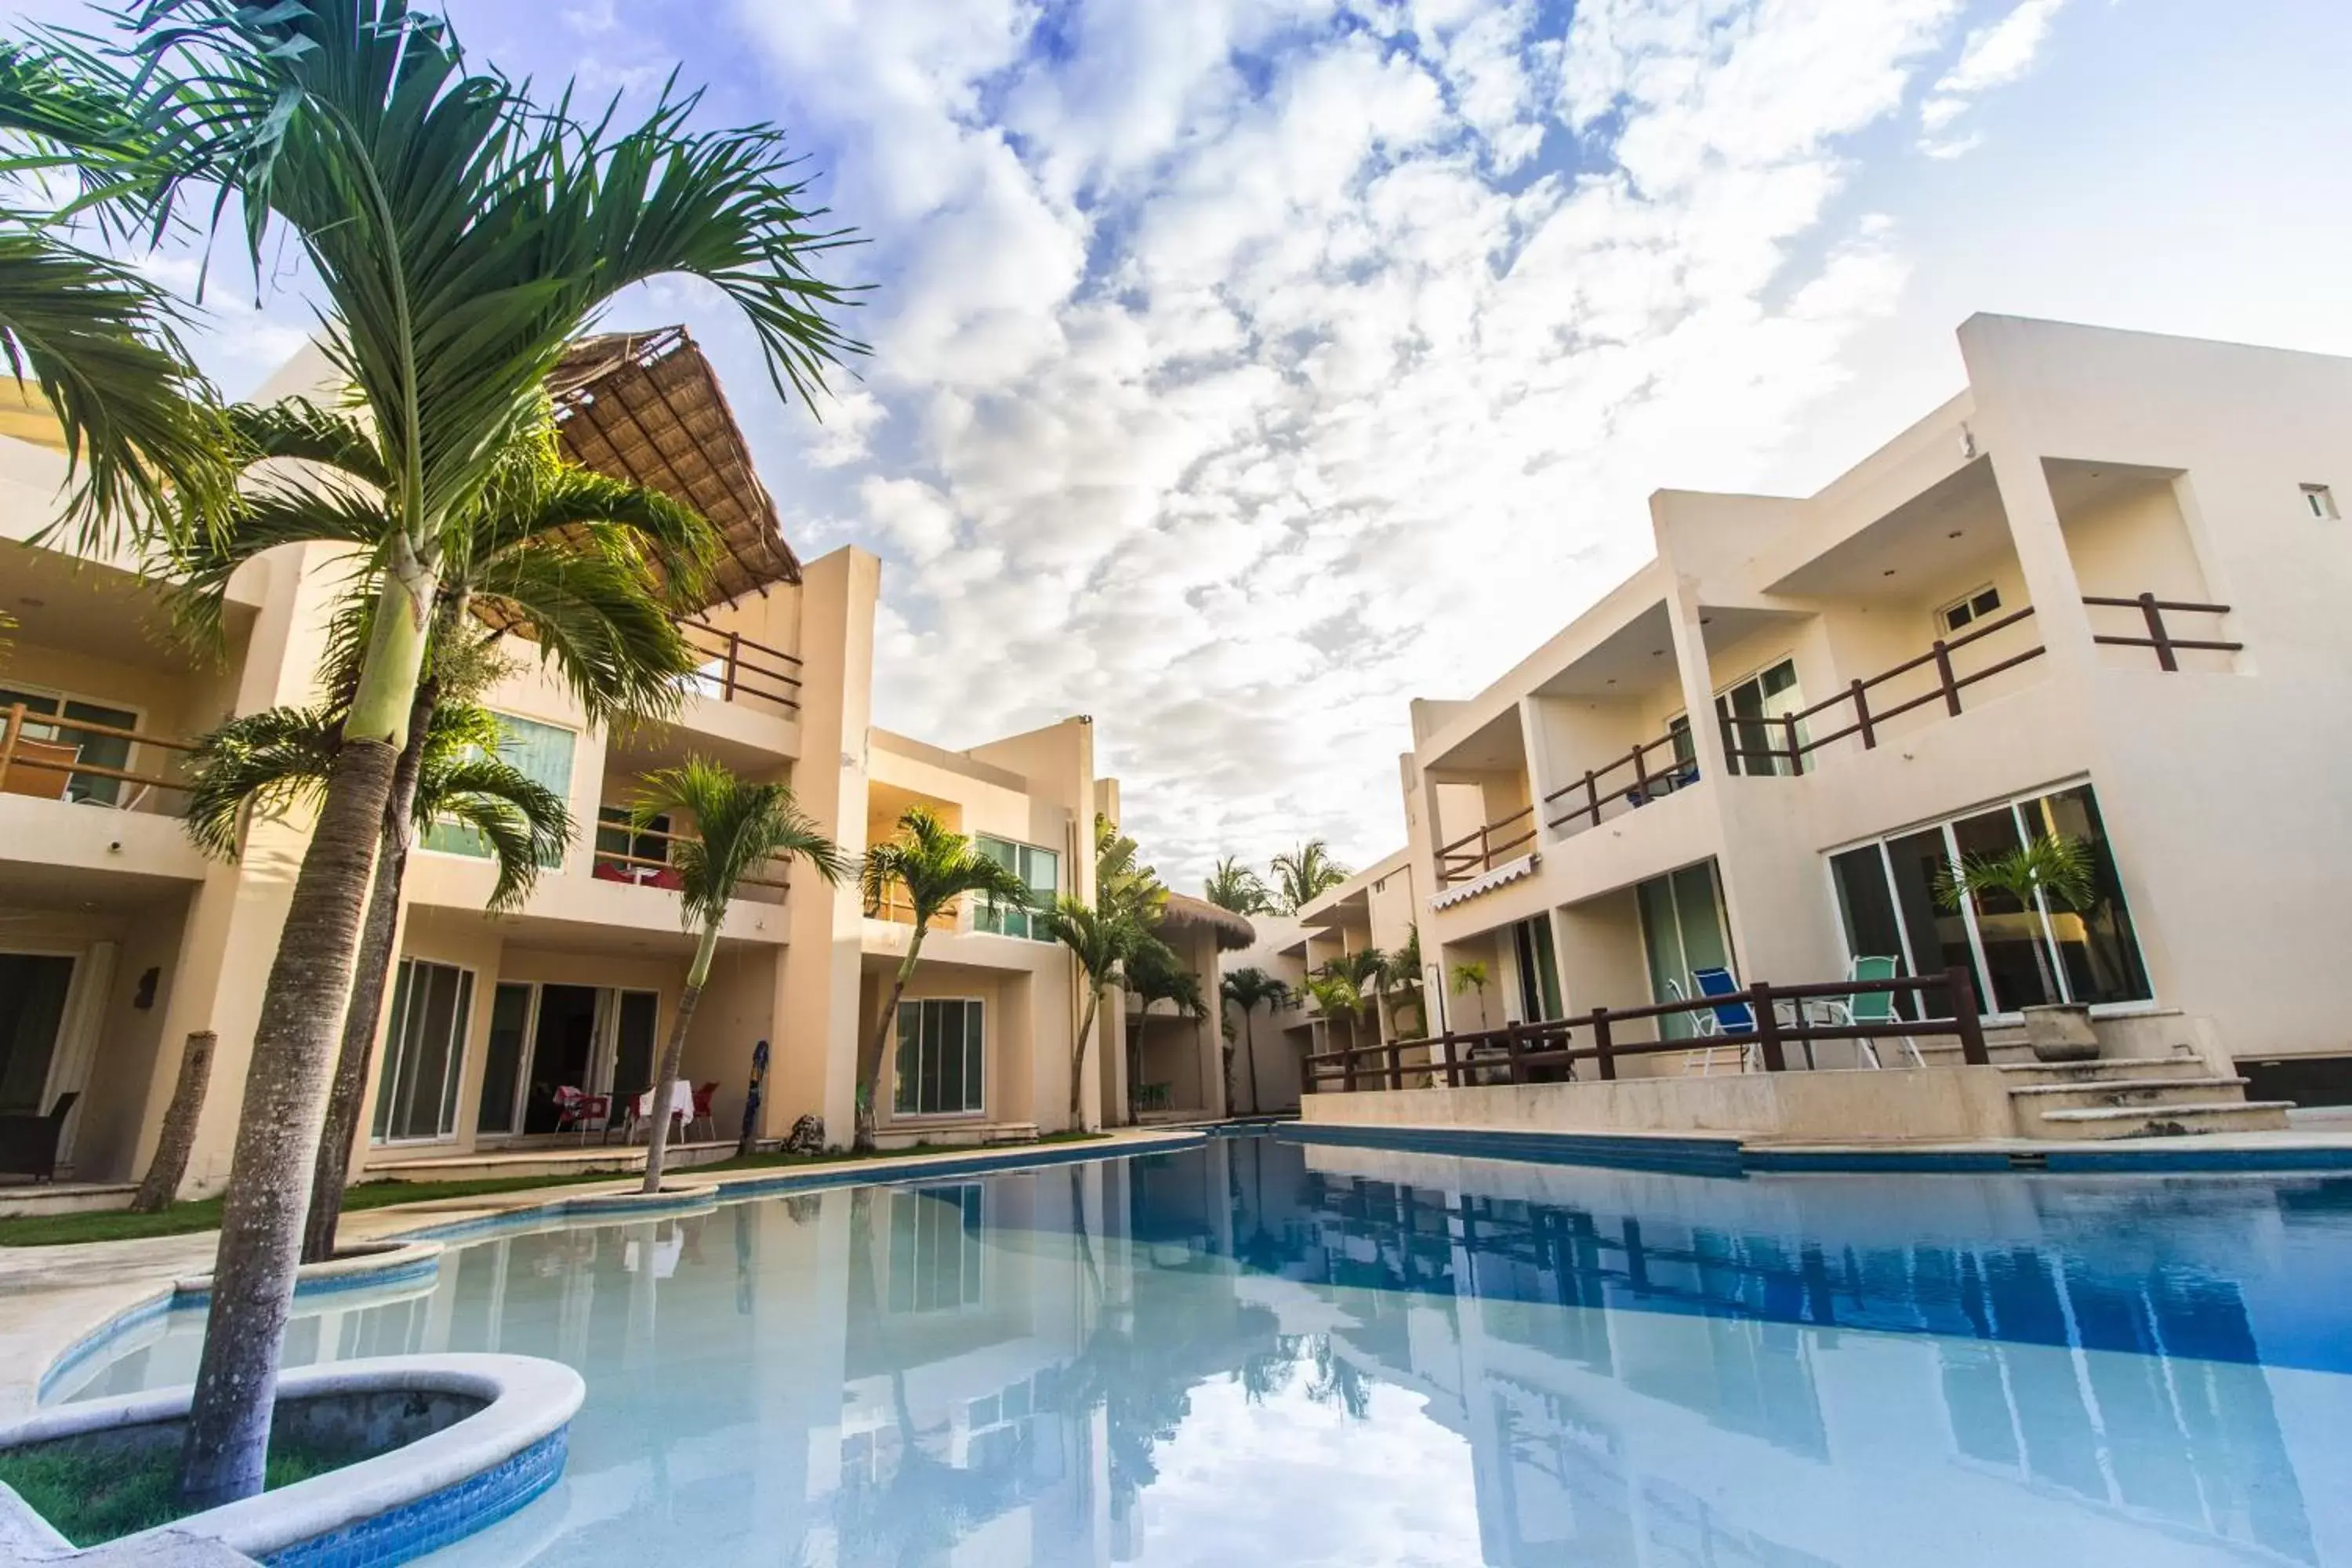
(1256, 1351)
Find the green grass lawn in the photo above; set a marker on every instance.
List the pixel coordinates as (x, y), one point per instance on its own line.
(204, 1214)
(90, 1501)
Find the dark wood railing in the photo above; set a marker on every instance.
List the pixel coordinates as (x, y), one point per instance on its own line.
(629, 862)
(1637, 778)
(1475, 854)
(33, 765)
(746, 669)
(2159, 637)
(1522, 1049)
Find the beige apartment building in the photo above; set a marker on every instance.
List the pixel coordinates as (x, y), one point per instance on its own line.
(119, 941)
(2099, 593)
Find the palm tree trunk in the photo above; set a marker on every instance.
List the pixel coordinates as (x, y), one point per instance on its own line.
(870, 1060)
(1079, 1054)
(658, 1138)
(227, 1432)
(1249, 1050)
(365, 1009)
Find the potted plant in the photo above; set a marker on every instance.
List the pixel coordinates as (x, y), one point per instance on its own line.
(2059, 870)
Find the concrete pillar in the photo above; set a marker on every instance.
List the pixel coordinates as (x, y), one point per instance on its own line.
(813, 1052)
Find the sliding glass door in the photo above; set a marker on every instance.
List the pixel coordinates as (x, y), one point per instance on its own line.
(2017, 954)
(1682, 931)
(33, 990)
(416, 1098)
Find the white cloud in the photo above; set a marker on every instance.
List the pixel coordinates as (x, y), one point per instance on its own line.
(1246, 367)
(1993, 56)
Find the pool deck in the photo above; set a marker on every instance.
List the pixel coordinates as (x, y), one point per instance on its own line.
(52, 1298)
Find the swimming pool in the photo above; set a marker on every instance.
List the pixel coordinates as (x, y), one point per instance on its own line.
(1256, 1351)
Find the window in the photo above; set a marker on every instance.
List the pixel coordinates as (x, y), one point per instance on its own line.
(613, 837)
(541, 751)
(417, 1096)
(935, 1251)
(98, 751)
(1754, 743)
(1537, 970)
(2018, 955)
(939, 1057)
(1039, 870)
(1975, 607)
(2320, 501)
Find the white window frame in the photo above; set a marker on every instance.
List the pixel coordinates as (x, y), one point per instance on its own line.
(519, 1088)
(460, 1051)
(1943, 823)
(977, 1113)
(1034, 848)
(1967, 601)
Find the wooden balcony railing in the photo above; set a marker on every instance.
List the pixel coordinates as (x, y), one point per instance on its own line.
(2159, 637)
(745, 669)
(1651, 771)
(1475, 854)
(41, 755)
(645, 871)
(1518, 1051)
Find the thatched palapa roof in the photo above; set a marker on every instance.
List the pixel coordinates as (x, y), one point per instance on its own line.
(647, 407)
(1234, 931)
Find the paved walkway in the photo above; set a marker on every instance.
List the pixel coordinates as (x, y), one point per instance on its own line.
(52, 1297)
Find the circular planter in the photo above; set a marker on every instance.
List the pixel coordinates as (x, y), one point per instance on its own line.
(479, 1436)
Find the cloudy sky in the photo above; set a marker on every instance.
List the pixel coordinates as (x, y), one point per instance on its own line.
(1243, 368)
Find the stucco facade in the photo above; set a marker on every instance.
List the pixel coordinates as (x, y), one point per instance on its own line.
(1947, 649)
(119, 941)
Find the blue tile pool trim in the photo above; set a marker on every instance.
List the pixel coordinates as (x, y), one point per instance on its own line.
(449, 1515)
(401, 1273)
(1677, 1157)
(1725, 1155)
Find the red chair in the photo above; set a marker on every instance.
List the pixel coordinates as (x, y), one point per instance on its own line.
(584, 1111)
(703, 1095)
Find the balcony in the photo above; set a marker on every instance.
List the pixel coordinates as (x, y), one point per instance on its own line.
(736, 669)
(644, 857)
(50, 751)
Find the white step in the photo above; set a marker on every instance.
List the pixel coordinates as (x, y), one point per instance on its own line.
(2096, 1093)
(2184, 1066)
(2162, 1121)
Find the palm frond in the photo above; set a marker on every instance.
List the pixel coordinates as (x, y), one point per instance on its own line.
(597, 626)
(298, 429)
(934, 866)
(274, 759)
(526, 826)
(146, 447)
(739, 827)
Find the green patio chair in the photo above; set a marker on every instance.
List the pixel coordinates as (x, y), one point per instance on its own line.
(1874, 1006)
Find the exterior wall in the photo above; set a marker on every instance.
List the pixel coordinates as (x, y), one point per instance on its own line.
(123, 890)
(2077, 462)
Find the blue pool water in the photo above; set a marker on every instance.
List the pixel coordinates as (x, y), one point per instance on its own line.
(1260, 1351)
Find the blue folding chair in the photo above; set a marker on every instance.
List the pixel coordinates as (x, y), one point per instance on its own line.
(1731, 1018)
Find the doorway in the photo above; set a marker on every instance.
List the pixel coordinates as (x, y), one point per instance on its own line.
(1682, 932)
(563, 1051)
(33, 990)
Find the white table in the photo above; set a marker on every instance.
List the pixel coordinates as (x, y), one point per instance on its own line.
(681, 1105)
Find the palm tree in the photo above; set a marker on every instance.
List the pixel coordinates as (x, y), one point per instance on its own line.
(1235, 887)
(1122, 882)
(1156, 975)
(1470, 976)
(739, 827)
(277, 759)
(2055, 868)
(1303, 875)
(1399, 984)
(460, 236)
(587, 567)
(1105, 944)
(1250, 989)
(142, 432)
(934, 866)
(1340, 996)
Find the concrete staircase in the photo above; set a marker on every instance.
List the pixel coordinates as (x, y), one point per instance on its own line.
(2133, 1097)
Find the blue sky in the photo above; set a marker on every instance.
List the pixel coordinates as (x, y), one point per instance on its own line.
(1243, 368)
